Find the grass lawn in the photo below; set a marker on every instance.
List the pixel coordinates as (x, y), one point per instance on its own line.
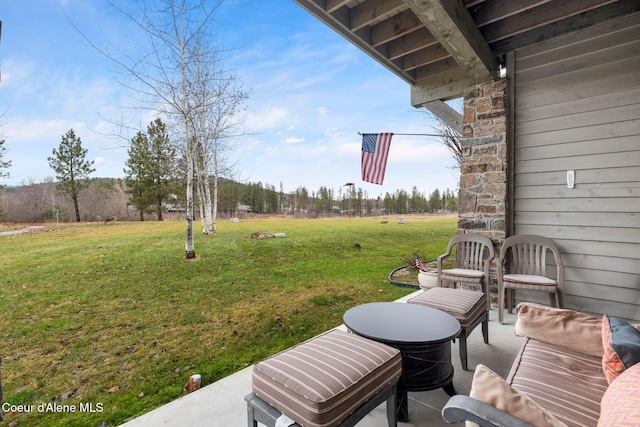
(111, 320)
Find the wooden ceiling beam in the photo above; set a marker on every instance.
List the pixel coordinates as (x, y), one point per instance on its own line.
(452, 25)
(536, 17)
(423, 57)
(410, 43)
(443, 86)
(394, 27)
(333, 5)
(444, 65)
(445, 113)
(373, 11)
(339, 22)
(489, 12)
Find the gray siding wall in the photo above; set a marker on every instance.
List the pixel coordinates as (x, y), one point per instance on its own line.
(577, 107)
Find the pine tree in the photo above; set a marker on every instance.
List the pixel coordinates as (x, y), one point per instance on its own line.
(150, 169)
(138, 175)
(72, 170)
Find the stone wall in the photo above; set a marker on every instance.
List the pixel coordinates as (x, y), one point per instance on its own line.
(483, 177)
(483, 174)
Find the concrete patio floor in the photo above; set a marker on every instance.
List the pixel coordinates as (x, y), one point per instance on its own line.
(222, 404)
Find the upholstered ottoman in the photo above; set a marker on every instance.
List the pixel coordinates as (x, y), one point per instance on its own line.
(333, 379)
(470, 308)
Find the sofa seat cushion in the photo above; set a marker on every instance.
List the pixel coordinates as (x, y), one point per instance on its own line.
(465, 305)
(322, 381)
(620, 404)
(566, 383)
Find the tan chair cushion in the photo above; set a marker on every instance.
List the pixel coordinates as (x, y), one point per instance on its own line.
(464, 272)
(322, 381)
(466, 306)
(529, 279)
(487, 386)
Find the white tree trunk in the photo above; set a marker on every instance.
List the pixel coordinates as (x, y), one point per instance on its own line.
(189, 246)
(201, 203)
(204, 192)
(208, 207)
(215, 204)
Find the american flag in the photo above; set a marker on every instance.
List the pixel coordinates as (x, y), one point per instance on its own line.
(375, 150)
(420, 266)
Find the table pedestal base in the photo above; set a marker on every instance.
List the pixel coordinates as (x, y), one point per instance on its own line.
(402, 402)
(424, 367)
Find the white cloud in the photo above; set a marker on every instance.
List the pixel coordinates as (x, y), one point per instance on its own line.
(267, 119)
(294, 140)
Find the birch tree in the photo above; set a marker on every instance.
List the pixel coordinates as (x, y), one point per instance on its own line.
(4, 164)
(217, 99)
(175, 31)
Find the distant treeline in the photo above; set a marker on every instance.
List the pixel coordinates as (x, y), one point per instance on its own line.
(106, 197)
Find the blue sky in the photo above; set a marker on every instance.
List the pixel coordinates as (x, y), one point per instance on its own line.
(311, 93)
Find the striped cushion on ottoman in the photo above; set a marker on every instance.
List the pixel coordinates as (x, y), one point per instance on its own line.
(322, 381)
(464, 305)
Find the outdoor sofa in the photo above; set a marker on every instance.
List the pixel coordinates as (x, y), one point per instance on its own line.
(573, 370)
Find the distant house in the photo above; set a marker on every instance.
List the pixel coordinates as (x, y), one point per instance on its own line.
(243, 208)
(174, 208)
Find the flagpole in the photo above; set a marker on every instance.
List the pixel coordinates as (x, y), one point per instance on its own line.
(407, 134)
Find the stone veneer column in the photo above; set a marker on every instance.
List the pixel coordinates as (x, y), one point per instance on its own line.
(483, 177)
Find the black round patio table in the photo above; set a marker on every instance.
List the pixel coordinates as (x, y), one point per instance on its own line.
(422, 334)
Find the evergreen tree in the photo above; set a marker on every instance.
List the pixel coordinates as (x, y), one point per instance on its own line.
(151, 169)
(435, 201)
(162, 165)
(138, 177)
(71, 167)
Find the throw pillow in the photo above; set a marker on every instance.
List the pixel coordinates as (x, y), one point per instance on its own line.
(568, 328)
(489, 387)
(620, 404)
(621, 343)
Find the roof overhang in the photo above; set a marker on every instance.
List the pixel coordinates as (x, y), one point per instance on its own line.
(443, 47)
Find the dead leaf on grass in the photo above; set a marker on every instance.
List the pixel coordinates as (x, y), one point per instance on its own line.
(68, 394)
(114, 389)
